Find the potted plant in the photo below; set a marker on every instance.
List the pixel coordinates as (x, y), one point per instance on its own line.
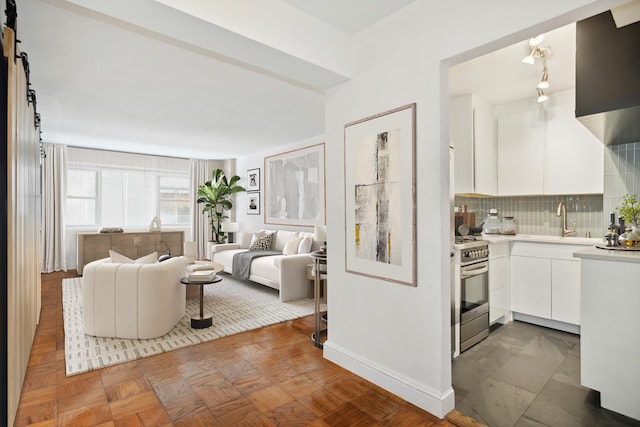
(630, 210)
(216, 195)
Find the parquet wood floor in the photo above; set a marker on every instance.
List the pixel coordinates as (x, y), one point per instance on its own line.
(272, 376)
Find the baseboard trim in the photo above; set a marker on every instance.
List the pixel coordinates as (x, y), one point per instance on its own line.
(421, 396)
(547, 323)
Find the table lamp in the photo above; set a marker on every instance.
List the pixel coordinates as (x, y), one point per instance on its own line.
(190, 250)
(230, 227)
(320, 235)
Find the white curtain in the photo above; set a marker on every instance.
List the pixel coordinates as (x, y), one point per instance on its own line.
(54, 193)
(198, 175)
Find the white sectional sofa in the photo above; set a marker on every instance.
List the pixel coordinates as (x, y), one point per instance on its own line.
(287, 273)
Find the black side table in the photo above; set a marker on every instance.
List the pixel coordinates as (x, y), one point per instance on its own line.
(319, 259)
(201, 321)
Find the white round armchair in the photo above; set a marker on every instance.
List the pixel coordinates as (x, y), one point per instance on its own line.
(132, 300)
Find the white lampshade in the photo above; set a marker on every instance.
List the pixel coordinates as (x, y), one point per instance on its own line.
(541, 96)
(320, 233)
(537, 40)
(230, 227)
(190, 251)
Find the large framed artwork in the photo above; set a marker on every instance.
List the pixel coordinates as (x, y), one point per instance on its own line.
(294, 187)
(253, 179)
(380, 196)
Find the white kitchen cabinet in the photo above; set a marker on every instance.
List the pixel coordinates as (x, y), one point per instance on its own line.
(574, 157)
(543, 149)
(530, 279)
(544, 280)
(498, 281)
(565, 291)
(472, 133)
(520, 154)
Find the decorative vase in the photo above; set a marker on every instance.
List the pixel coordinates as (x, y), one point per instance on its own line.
(631, 237)
(635, 234)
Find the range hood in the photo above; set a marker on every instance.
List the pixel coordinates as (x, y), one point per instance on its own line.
(608, 78)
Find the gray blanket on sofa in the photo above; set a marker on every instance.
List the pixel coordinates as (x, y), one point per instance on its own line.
(241, 267)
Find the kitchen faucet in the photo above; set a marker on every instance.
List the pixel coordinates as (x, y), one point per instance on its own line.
(562, 211)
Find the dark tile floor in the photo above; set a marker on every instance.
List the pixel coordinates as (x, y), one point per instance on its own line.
(525, 375)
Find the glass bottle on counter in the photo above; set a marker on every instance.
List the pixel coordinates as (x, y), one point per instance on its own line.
(492, 223)
(508, 225)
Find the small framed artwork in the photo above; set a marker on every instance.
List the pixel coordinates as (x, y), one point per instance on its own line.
(253, 203)
(253, 179)
(380, 196)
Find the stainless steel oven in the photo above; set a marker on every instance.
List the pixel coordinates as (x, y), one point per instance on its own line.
(474, 295)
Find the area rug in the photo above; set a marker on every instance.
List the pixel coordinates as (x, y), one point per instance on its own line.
(237, 306)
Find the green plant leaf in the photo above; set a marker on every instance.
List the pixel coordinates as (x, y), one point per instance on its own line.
(216, 195)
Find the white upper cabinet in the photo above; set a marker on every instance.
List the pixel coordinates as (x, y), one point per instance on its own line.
(472, 132)
(520, 154)
(575, 157)
(543, 149)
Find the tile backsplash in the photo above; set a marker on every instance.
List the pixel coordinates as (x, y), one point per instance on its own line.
(621, 176)
(590, 212)
(537, 214)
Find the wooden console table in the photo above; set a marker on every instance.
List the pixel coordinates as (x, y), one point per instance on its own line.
(132, 244)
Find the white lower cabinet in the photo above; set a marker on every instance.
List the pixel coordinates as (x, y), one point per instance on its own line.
(498, 281)
(545, 281)
(565, 291)
(531, 286)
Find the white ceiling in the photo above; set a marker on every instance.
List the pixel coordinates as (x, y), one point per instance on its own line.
(350, 16)
(154, 76)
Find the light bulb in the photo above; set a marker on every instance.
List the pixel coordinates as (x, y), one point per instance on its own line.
(537, 40)
(528, 60)
(541, 96)
(544, 81)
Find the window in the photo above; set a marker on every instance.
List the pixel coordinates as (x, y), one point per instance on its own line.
(82, 198)
(103, 190)
(173, 199)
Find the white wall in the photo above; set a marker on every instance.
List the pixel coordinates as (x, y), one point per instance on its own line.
(243, 164)
(394, 335)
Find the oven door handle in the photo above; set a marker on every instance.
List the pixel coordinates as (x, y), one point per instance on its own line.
(474, 272)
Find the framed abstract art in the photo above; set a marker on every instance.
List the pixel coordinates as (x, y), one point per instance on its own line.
(295, 187)
(380, 196)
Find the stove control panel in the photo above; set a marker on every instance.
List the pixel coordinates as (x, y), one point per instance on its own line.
(474, 254)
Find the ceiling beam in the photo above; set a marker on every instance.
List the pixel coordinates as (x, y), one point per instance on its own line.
(288, 45)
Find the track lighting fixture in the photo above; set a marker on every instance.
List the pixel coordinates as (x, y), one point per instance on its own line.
(537, 40)
(544, 81)
(537, 51)
(529, 59)
(541, 96)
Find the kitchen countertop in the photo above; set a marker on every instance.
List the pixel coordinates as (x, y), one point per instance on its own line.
(497, 238)
(608, 255)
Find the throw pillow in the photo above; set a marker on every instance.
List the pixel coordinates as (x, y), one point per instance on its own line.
(305, 245)
(148, 259)
(260, 233)
(164, 257)
(256, 235)
(291, 247)
(263, 243)
(117, 258)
